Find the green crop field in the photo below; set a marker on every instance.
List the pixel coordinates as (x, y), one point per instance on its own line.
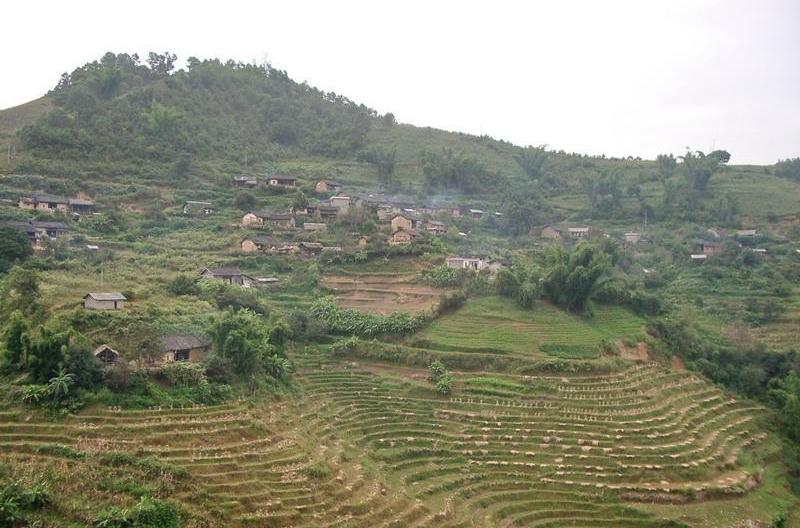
(496, 325)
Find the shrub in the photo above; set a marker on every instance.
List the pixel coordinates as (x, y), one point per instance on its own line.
(183, 374)
(435, 371)
(450, 302)
(245, 201)
(445, 385)
(16, 498)
(344, 346)
(646, 303)
(183, 285)
(218, 368)
(318, 470)
(153, 513)
(305, 328)
(444, 277)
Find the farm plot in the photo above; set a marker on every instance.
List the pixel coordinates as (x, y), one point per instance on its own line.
(572, 451)
(496, 325)
(242, 466)
(382, 293)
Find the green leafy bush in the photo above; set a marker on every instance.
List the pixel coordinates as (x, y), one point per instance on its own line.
(345, 321)
(445, 385)
(183, 285)
(183, 373)
(444, 277)
(17, 498)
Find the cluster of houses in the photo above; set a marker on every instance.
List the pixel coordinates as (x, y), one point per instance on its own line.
(38, 232)
(51, 203)
(175, 347)
(407, 220)
(407, 226)
(266, 244)
(41, 231)
(704, 249)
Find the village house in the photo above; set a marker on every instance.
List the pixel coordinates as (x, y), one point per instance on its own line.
(255, 243)
(309, 249)
(79, 206)
(193, 206)
(435, 227)
(106, 355)
(104, 301)
(266, 281)
(341, 203)
(44, 202)
(402, 236)
(325, 186)
(228, 274)
(363, 241)
(315, 227)
(323, 210)
(282, 181)
(698, 258)
(252, 219)
(39, 231)
(470, 263)
(185, 347)
(707, 248)
(632, 237)
(261, 217)
(475, 213)
(578, 232)
(406, 221)
(435, 210)
(285, 220)
(249, 182)
(289, 248)
(551, 232)
(746, 233)
(761, 252)
(385, 212)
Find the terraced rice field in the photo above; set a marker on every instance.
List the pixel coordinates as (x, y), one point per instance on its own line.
(382, 293)
(496, 325)
(246, 468)
(569, 452)
(374, 447)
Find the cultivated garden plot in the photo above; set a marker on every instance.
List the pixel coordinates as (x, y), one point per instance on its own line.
(382, 293)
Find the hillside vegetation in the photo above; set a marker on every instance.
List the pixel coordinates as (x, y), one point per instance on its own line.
(596, 377)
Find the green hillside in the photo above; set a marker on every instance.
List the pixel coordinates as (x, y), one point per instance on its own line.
(599, 377)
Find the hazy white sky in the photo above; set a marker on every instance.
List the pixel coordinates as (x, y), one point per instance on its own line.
(615, 77)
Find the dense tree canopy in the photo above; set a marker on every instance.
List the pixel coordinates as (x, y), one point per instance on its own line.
(14, 247)
(571, 276)
(118, 108)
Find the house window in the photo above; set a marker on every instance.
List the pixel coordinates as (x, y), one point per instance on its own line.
(181, 355)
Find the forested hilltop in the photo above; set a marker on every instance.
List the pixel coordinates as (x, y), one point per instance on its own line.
(231, 299)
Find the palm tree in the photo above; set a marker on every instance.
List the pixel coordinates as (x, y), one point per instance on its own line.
(59, 386)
